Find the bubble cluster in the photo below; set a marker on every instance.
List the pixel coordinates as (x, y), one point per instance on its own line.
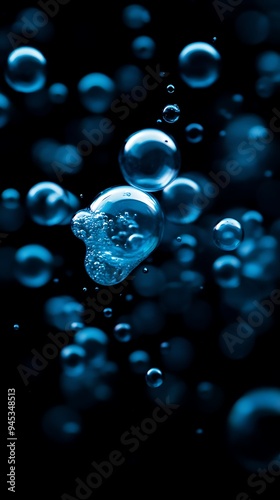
(120, 229)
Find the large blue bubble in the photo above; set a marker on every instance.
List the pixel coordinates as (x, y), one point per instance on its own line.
(149, 159)
(120, 229)
(199, 64)
(26, 70)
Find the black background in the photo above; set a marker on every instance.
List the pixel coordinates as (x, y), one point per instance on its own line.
(90, 36)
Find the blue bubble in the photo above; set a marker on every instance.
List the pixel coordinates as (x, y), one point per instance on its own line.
(154, 377)
(179, 201)
(123, 332)
(26, 70)
(252, 427)
(128, 76)
(228, 234)
(149, 159)
(194, 132)
(58, 93)
(94, 341)
(62, 424)
(253, 224)
(143, 47)
(34, 23)
(185, 248)
(49, 204)
(5, 110)
(66, 160)
(33, 265)
(10, 198)
(171, 113)
(252, 27)
(209, 396)
(97, 92)
(73, 358)
(135, 16)
(120, 229)
(108, 312)
(7, 264)
(139, 361)
(227, 271)
(170, 88)
(268, 62)
(43, 153)
(179, 355)
(199, 64)
(62, 311)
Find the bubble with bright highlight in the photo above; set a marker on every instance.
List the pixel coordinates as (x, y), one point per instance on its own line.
(33, 265)
(26, 70)
(179, 201)
(154, 377)
(199, 64)
(149, 159)
(228, 234)
(96, 91)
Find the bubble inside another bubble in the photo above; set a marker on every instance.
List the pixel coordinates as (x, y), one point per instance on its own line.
(120, 229)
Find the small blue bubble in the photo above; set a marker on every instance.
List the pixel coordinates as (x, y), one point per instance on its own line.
(73, 359)
(16, 327)
(139, 361)
(58, 93)
(143, 47)
(97, 92)
(26, 70)
(136, 16)
(108, 312)
(171, 113)
(227, 271)
(228, 234)
(170, 88)
(5, 110)
(123, 332)
(154, 377)
(33, 265)
(194, 132)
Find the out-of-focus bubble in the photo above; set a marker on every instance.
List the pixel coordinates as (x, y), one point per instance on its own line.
(179, 355)
(12, 213)
(49, 204)
(175, 297)
(252, 428)
(171, 113)
(179, 200)
(73, 358)
(268, 62)
(237, 339)
(120, 229)
(252, 27)
(94, 341)
(253, 224)
(62, 311)
(227, 271)
(58, 93)
(123, 332)
(149, 159)
(96, 91)
(128, 76)
(66, 160)
(43, 153)
(228, 234)
(34, 23)
(199, 64)
(185, 248)
(143, 47)
(194, 132)
(108, 312)
(209, 396)
(154, 377)
(33, 265)
(174, 390)
(5, 110)
(139, 361)
(10, 198)
(26, 70)
(62, 424)
(265, 87)
(136, 16)
(147, 318)
(151, 284)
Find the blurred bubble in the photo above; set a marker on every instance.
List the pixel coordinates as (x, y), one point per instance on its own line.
(228, 234)
(58, 93)
(179, 200)
(252, 27)
(62, 424)
(128, 76)
(151, 284)
(227, 271)
(209, 396)
(199, 64)
(149, 159)
(5, 110)
(32, 22)
(143, 47)
(96, 91)
(147, 318)
(194, 132)
(94, 341)
(12, 213)
(252, 427)
(139, 361)
(33, 265)
(175, 297)
(63, 311)
(73, 359)
(135, 16)
(123, 332)
(26, 70)
(7, 261)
